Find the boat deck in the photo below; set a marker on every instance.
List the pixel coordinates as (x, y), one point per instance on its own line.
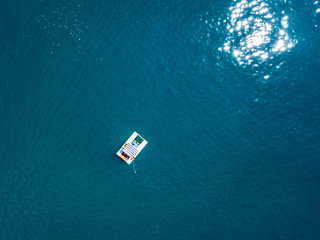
(132, 147)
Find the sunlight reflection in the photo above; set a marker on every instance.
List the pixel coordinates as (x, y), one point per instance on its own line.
(256, 33)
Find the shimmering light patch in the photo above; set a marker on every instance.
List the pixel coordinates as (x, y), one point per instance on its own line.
(256, 33)
(316, 3)
(317, 9)
(284, 22)
(62, 20)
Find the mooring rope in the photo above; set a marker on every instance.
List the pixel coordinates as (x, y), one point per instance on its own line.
(134, 169)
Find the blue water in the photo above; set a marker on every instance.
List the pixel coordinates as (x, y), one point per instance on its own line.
(227, 93)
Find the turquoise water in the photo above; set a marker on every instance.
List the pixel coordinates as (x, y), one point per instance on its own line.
(227, 94)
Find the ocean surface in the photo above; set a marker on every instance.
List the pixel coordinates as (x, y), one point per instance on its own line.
(227, 93)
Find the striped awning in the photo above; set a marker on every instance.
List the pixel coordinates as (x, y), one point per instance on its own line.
(130, 150)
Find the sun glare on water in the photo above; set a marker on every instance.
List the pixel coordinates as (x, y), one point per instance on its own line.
(256, 33)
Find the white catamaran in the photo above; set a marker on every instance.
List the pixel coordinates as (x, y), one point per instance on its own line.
(132, 147)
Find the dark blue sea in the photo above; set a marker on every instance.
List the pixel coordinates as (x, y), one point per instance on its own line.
(227, 93)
